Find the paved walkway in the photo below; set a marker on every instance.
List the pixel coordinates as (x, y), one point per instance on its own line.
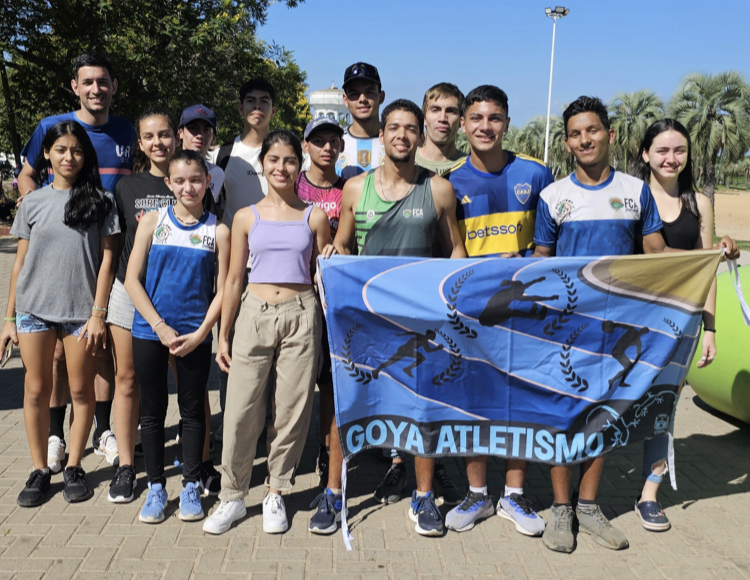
(710, 514)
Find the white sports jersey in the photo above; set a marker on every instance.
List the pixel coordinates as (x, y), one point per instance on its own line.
(359, 155)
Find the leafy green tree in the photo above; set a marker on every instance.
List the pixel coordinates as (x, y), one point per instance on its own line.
(714, 109)
(171, 53)
(560, 161)
(630, 115)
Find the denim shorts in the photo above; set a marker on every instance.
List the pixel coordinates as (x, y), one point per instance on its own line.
(27, 323)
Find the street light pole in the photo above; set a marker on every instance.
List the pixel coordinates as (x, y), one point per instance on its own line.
(558, 12)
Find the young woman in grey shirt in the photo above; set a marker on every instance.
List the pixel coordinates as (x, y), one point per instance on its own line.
(59, 286)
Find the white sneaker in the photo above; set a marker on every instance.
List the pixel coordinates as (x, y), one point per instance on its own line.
(274, 514)
(108, 448)
(227, 512)
(55, 453)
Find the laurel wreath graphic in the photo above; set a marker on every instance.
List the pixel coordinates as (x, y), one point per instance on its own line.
(575, 380)
(453, 316)
(452, 371)
(675, 329)
(563, 316)
(363, 377)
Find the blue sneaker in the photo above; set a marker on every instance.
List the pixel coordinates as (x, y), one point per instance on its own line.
(475, 507)
(156, 501)
(325, 520)
(517, 509)
(190, 503)
(424, 512)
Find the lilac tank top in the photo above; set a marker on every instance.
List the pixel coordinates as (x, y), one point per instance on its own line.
(280, 252)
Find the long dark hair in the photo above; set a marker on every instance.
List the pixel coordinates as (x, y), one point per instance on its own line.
(87, 203)
(685, 183)
(141, 162)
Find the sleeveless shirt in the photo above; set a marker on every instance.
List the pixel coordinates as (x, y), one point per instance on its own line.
(405, 227)
(684, 232)
(280, 252)
(180, 275)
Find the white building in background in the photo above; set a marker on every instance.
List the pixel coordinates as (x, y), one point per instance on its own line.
(330, 103)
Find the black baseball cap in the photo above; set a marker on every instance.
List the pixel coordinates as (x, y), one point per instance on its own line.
(363, 71)
(260, 85)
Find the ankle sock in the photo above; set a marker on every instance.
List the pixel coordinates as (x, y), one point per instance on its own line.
(336, 491)
(102, 411)
(422, 493)
(509, 490)
(482, 490)
(586, 503)
(57, 421)
(555, 504)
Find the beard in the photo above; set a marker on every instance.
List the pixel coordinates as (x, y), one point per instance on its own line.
(398, 158)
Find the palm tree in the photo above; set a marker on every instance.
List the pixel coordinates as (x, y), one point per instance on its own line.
(714, 110)
(510, 139)
(630, 116)
(530, 139)
(560, 161)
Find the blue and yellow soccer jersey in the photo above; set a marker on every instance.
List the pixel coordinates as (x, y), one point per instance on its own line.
(496, 211)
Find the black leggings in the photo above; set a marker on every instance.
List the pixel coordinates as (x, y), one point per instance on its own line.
(151, 361)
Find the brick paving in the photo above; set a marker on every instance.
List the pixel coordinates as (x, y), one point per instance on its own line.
(710, 513)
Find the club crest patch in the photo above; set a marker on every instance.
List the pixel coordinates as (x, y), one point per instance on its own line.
(162, 233)
(523, 192)
(616, 203)
(363, 158)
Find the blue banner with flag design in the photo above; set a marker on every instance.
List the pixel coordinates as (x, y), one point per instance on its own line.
(549, 360)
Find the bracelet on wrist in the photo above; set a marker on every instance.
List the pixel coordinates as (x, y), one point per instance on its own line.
(157, 324)
(99, 309)
(708, 329)
(10, 319)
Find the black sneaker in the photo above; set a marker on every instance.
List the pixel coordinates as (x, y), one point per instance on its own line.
(122, 486)
(37, 485)
(321, 466)
(389, 490)
(444, 489)
(210, 479)
(76, 489)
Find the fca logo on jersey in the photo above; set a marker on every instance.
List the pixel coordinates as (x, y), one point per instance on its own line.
(123, 151)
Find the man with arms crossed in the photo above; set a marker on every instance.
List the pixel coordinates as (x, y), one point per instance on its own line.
(373, 221)
(589, 225)
(497, 193)
(95, 85)
(442, 115)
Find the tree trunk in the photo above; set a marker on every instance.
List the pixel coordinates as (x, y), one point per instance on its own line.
(709, 183)
(747, 174)
(14, 138)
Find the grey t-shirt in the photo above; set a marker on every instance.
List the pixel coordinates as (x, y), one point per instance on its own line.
(58, 280)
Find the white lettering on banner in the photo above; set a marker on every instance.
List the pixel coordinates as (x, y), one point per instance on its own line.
(501, 440)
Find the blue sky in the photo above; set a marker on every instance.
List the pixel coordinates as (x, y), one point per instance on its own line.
(599, 50)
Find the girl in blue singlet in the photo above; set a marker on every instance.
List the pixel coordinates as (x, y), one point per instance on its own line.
(688, 224)
(184, 255)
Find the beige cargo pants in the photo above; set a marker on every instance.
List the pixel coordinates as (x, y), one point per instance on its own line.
(287, 337)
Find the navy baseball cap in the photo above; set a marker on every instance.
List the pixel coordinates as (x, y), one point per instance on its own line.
(198, 112)
(363, 71)
(323, 122)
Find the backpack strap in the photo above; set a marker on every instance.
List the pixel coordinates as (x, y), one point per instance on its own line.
(222, 159)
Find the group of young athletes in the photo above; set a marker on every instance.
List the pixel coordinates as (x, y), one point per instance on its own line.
(132, 246)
